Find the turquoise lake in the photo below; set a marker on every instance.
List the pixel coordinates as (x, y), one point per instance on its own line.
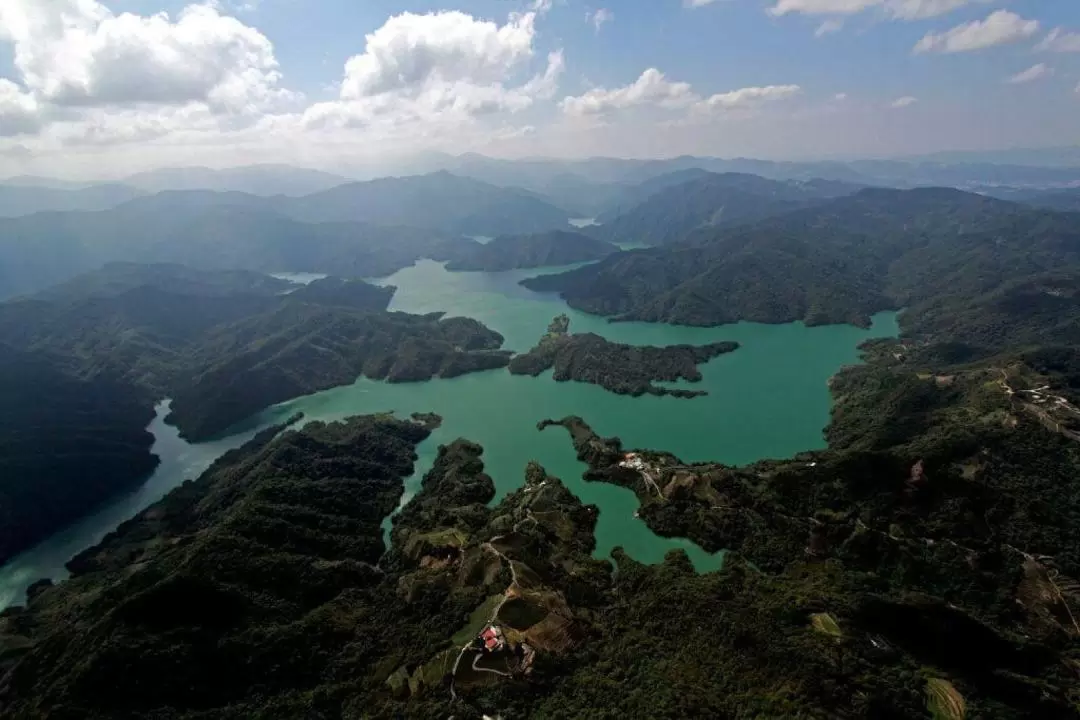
(767, 399)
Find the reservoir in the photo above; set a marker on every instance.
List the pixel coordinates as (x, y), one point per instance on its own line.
(767, 399)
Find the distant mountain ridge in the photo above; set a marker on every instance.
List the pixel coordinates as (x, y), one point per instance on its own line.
(711, 200)
(348, 230)
(18, 200)
(840, 261)
(512, 252)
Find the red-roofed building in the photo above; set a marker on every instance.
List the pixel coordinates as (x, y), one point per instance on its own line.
(492, 638)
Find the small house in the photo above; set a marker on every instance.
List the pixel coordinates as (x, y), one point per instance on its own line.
(493, 639)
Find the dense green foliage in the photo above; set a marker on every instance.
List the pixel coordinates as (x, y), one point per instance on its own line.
(838, 262)
(225, 345)
(84, 362)
(301, 348)
(510, 252)
(65, 445)
(668, 212)
(622, 369)
(925, 564)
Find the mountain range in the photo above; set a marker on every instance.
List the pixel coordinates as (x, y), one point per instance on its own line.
(222, 345)
(839, 261)
(349, 230)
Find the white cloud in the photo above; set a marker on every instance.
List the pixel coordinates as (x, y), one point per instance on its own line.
(697, 3)
(999, 28)
(1058, 40)
(598, 18)
(840, 97)
(440, 69)
(903, 102)
(1033, 73)
(748, 97)
(822, 7)
(897, 9)
(77, 53)
(829, 26)
(19, 112)
(412, 51)
(652, 88)
(922, 9)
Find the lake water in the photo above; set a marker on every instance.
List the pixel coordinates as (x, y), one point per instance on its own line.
(767, 399)
(299, 278)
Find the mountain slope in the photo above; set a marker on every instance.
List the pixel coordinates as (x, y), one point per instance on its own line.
(65, 444)
(204, 230)
(667, 213)
(84, 363)
(16, 200)
(838, 262)
(1063, 200)
(439, 201)
(510, 252)
(264, 180)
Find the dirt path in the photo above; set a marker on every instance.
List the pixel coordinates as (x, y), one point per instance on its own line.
(494, 613)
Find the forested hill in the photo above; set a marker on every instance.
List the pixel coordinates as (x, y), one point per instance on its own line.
(511, 252)
(439, 201)
(366, 229)
(92, 356)
(838, 262)
(713, 200)
(39, 250)
(64, 445)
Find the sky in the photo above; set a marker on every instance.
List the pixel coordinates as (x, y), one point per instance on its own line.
(101, 88)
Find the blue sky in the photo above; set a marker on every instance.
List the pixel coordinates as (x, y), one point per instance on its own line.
(83, 80)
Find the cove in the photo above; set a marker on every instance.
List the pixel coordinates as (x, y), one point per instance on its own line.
(768, 399)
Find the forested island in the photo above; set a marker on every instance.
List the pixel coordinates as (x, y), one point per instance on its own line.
(512, 252)
(619, 368)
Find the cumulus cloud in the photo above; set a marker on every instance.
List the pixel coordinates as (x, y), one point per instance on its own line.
(19, 112)
(999, 28)
(78, 53)
(1032, 74)
(697, 3)
(1058, 40)
(86, 75)
(747, 97)
(903, 102)
(652, 88)
(439, 68)
(922, 9)
(413, 51)
(598, 18)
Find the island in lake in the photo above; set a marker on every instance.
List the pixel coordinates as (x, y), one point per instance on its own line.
(620, 368)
